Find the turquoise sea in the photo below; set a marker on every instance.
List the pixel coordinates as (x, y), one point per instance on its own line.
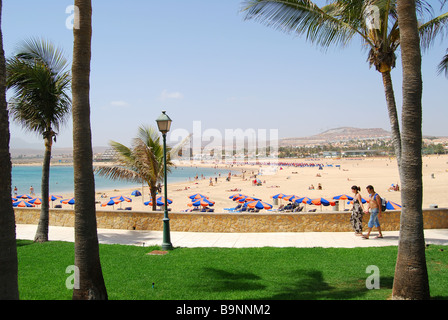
(61, 178)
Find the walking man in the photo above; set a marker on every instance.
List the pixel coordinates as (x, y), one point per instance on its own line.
(375, 212)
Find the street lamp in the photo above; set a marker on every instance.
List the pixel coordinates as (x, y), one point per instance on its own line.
(164, 124)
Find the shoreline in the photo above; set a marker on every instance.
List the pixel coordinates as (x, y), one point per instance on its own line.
(336, 177)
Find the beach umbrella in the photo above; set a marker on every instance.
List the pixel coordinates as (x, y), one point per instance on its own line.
(111, 202)
(259, 205)
(121, 198)
(202, 202)
(24, 196)
(302, 200)
(245, 199)
(321, 202)
(362, 200)
(136, 193)
(35, 201)
(197, 196)
(162, 199)
(236, 195)
(68, 201)
(291, 198)
(53, 198)
(22, 204)
(343, 197)
(279, 196)
(392, 206)
(149, 203)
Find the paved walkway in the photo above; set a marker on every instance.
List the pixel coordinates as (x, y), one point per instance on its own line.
(235, 240)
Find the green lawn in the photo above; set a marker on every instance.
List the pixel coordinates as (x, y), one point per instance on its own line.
(222, 274)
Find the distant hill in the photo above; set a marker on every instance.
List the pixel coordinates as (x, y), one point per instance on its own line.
(338, 134)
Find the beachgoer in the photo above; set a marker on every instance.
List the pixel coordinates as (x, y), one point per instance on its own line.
(375, 212)
(32, 191)
(15, 190)
(357, 211)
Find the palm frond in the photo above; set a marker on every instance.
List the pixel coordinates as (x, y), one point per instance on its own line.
(116, 172)
(322, 26)
(433, 28)
(443, 65)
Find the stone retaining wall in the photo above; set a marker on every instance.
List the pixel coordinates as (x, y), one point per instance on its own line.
(231, 222)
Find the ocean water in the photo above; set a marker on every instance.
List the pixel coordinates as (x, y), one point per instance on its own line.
(61, 178)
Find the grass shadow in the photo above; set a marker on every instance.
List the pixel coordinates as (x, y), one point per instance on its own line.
(217, 280)
(310, 285)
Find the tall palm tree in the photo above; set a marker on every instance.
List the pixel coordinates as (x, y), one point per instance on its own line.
(41, 104)
(337, 24)
(411, 276)
(142, 162)
(87, 257)
(9, 289)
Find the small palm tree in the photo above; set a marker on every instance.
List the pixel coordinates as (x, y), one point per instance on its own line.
(142, 162)
(40, 80)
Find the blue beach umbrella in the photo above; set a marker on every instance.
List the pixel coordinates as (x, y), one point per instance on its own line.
(392, 206)
(162, 199)
(279, 196)
(111, 202)
(136, 193)
(197, 196)
(121, 198)
(68, 201)
(158, 203)
(343, 197)
(22, 204)
(258, 205)
(236, 195)
(202, 202)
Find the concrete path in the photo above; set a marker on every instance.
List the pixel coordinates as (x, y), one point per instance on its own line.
(235, 240)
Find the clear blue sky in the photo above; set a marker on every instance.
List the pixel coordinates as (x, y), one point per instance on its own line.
(200, 61)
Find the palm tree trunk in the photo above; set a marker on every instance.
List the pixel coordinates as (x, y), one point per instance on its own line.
(393, 116)
(9, 288)
(411, 277)
(153, 190)
(42, 228)
(87, 258)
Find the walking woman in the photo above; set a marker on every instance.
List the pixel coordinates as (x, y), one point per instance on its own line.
(357, 211)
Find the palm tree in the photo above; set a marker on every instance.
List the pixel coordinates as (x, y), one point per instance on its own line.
(38, 76)
(87, 258)
(9, 289)
(337, 24)
(142, 162)
(411, 276)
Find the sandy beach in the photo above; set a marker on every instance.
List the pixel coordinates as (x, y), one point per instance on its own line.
(336, 177)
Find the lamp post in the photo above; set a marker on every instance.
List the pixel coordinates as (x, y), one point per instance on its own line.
(164, 124)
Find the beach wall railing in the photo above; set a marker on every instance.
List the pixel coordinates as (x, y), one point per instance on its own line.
(433, 218)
